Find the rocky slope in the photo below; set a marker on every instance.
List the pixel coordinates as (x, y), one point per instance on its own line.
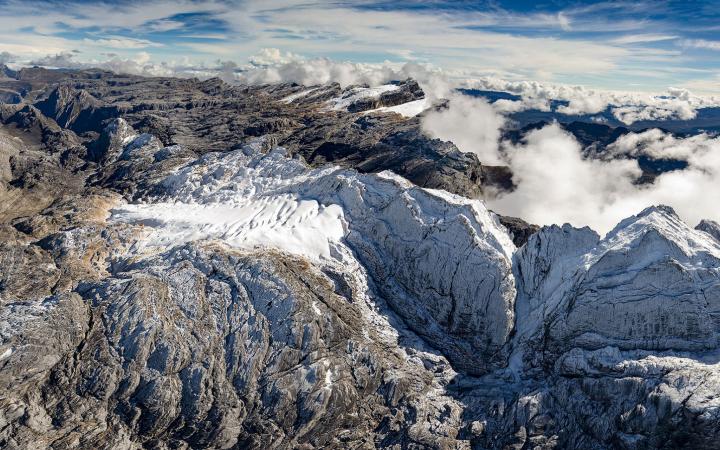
(179, 271)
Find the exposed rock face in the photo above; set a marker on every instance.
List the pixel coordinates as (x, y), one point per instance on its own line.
(6, 72)
(214, 116)
(710, 227)
(406, 91)
(627, 326)
(176, 279)
(75, 109)
(518, 229)
(652, 284)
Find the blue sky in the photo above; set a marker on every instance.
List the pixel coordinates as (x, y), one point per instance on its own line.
(644, 46)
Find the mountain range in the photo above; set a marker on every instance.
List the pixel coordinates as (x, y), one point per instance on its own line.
(193, 264)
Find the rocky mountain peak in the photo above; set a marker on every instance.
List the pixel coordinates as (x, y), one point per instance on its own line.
(710, 227)
(6, 72)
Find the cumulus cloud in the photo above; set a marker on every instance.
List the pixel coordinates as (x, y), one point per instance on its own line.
(627, 107)
(471, 124)
(140, 64)
(630, 114)
(6, 57)
(63, 60)
(658, 144)
(273, 56)
(557, 183)
(309, 72)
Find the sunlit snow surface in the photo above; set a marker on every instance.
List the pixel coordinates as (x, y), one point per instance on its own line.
(355, 94)
(291, 98)
(243, 202)
(297, 226)
(249, 199)
(409, 109)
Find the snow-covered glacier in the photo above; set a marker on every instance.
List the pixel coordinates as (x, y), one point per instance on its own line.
(441, 261)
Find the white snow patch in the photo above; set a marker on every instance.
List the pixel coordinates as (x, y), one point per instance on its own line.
(409, 109)
(245, 199)
(355, 94)
(298, 226)
(6, 354)
(328, 374)
(291, 98)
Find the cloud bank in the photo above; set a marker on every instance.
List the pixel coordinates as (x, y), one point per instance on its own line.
(557, 184)
(627, 107)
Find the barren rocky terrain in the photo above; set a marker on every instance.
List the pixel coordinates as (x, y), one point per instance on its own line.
(190, 264)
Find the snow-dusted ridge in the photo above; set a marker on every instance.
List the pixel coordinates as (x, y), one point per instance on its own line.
(652, 283)
(423, 248)
(359, 93)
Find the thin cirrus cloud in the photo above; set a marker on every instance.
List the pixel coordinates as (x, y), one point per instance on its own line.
(643, 38)
(702, 43)
(599, 44)
(119, 42)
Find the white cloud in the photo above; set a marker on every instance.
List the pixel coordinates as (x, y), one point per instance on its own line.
(702, 43)
(6, 57)
(120, 42)
(471, 124)
(627, 107)
(273, 56)
(310, 72)
(139, 64)
(643, 38)
(556, 183)
(630, 114)
(580, 104)
(564, 22)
